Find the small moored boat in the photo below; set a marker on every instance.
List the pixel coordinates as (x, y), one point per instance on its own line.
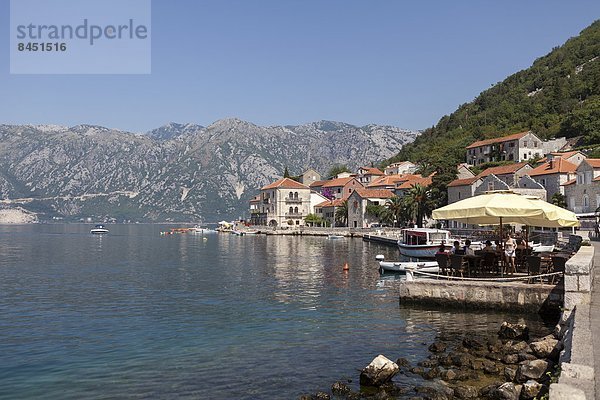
(422, 242)
(201, 230)
(99, 230)
(334, 236)
(400, 266)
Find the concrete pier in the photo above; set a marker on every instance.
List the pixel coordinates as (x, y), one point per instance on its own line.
(500, 296)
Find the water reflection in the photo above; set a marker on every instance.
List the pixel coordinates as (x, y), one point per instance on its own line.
(158, 316)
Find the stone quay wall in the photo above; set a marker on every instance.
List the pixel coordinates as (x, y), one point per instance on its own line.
(577, 378)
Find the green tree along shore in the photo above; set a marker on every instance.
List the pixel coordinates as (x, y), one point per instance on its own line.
(559, 95)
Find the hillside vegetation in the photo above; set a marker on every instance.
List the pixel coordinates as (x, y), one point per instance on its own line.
(559, 95)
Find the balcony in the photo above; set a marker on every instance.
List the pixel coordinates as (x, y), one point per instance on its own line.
(293, 215)
(292, 200)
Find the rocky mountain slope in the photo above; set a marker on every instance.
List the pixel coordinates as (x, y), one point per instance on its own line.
(178, 172)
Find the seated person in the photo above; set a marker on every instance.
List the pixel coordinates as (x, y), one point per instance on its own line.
(456, 249)
(442, 249)
(488, 247)
(467, 249)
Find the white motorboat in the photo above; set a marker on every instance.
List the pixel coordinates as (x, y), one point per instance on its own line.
(400, 266)
(423, 242)
(201, 230)
(334, 236)
(99, 230)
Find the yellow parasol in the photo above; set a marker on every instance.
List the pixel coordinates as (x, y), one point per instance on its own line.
(507, 207)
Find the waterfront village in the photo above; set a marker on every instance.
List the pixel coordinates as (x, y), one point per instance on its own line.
(372, 197)
(551, 277)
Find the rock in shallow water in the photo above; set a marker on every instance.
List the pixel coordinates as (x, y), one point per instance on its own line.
(530, 389)
(378, 372)
(534, 369)
(545, 347)
(513, 331)
(506, 391)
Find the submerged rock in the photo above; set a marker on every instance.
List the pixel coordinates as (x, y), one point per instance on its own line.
(339, 388)
(545, 347)
(378, 372)
(506, 391)
(513, 331)
(466, 392)
(438, 347)
(530, 389)
(403, 362)
(534, 369)
(436, 390)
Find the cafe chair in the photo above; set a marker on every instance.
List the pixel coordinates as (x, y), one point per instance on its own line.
(489, 263)
(558, 265)
(535, 267)
(457, 264)
(442, 260)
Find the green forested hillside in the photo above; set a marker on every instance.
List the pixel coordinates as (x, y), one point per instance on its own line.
(559, 95)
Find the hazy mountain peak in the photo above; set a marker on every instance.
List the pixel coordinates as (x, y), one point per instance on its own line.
(97, 171)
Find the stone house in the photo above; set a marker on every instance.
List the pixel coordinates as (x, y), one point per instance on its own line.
(517, 147)
(553, 174)
(463, 171)
(574, 157)
(357, 206)
(524, 185)
(327, 209)
(284, 203)
(309, 177)
(510, 173)
(340, 188)
(367, 174)
(400, 168)
(460, 189)
(583, 192)
(255, 212)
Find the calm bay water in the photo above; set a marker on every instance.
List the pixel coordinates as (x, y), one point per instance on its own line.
(137, 315)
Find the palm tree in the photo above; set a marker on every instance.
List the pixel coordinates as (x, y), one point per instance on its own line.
(397, 209)
(419, 203)
(341, 213)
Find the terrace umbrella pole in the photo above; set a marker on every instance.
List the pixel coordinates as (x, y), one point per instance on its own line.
(502, 255)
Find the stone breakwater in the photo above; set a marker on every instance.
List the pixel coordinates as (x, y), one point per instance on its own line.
(506, 366)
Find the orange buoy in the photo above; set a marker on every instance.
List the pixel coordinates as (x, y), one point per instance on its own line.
(346, 267)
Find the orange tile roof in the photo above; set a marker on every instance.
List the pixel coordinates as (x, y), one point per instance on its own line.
(391, 180)
(374, 193)
(557, 166)
(317, 183)
(463, 182)
(502, 169)
(594, 162)
(337, 182)
(285, 183)
(372, 171)
(421, 181)
(572, 181)
(565, 154)
(497, 140)
(331, 203)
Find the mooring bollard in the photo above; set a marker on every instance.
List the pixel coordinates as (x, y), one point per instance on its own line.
(410, 273)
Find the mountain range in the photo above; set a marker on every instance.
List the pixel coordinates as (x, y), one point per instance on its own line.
(178, 172)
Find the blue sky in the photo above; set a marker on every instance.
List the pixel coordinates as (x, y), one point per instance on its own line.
(403, 63)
